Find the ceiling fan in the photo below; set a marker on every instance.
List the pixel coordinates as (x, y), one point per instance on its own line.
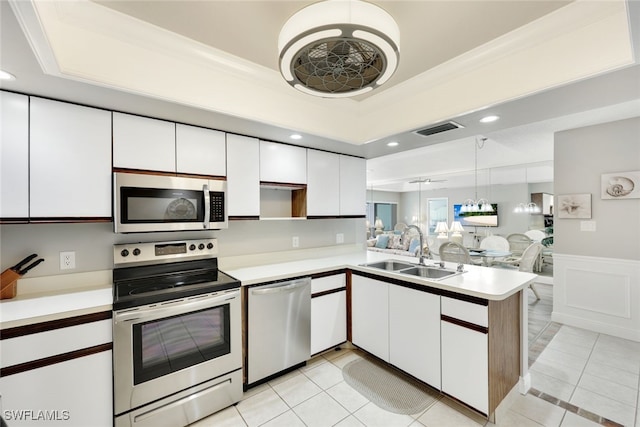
(426, 181)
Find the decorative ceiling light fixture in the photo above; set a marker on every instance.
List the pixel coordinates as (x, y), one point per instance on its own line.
(528, 208)
(477, 205)
(339, 48)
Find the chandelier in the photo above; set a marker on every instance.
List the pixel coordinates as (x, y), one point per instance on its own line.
(526, 208)
(476, 205)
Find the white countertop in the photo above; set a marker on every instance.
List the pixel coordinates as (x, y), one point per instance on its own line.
(55, 297)
(482, 282)
(42, 299)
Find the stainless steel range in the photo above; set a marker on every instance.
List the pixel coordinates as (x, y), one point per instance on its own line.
(177, 350)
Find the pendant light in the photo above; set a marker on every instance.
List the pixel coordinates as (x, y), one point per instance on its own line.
(527, 208)
(476, 205)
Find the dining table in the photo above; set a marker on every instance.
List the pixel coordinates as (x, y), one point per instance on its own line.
(488, 255)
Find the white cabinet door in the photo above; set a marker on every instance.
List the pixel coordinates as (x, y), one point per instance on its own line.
(14, 155)
(200, 151)
(143, 143)
(353, 186)
(328, 321)
(70, 160)
(370, 315)
(243, 176)
(465, 365)
(283, 163)
(76, 392)
(414, 333)
(323, 183)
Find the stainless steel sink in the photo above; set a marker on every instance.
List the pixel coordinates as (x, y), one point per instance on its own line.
(429, 272)
(389, 265)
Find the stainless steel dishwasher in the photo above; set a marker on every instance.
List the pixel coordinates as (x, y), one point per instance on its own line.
(279, 327)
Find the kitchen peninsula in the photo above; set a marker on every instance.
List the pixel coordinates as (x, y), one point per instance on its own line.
(465, 335)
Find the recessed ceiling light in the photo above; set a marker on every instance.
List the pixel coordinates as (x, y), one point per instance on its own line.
(489, 119)
(392, 144)
(6, 76)
(296, 136)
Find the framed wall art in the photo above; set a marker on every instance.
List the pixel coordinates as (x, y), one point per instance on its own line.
(574, 206)
(620, 185)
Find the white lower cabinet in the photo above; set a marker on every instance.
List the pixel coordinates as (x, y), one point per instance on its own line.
(414, 333)
(465, 353)
(328, 312)
(328, 321)
(370, 315)
(76, 392)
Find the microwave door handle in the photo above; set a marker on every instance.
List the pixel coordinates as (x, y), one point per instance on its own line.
(207, 206)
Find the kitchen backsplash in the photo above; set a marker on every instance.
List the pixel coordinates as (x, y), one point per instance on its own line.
(93, 242)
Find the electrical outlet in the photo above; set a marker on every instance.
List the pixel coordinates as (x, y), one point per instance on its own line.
(339, 238)
(67, 260)
(295, 241)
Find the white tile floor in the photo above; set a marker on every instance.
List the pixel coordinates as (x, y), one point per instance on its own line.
(595, 372)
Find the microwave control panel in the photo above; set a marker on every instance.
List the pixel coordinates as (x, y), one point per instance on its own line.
(217, 206)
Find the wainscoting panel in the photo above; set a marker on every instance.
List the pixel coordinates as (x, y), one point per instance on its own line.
(599, 294)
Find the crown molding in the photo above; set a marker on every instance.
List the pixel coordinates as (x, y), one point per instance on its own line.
(88, 42)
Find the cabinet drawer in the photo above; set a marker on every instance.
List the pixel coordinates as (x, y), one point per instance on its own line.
(58, 341)
(466, 311)
(328, 283)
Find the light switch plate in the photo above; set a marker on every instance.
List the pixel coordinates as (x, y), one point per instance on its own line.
(587, 226)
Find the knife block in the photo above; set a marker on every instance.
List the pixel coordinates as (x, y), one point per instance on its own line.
(8, 284)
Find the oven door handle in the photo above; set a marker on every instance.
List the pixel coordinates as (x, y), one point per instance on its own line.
(207, 206)
(173, 308)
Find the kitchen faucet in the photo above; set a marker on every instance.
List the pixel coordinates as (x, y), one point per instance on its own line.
(421, 262)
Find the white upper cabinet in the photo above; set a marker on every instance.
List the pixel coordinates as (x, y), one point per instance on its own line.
(14, 155)
(70, 160)
(283, 163)
(243, 176)
(143, 143)
(323, 183)
(353, 186)
(200, 151)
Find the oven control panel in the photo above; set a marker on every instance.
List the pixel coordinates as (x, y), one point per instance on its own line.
(158, 252)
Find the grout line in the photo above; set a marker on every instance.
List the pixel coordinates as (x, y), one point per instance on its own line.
(574, 409)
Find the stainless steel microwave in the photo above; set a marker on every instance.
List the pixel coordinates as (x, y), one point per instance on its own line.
(144, 203)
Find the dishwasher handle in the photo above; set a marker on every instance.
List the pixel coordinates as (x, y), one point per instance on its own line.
(280, 288)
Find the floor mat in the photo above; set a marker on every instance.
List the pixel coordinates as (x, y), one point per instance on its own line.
(388, 388)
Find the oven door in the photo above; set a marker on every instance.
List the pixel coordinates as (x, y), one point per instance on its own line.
(168, 347)
(145, 203)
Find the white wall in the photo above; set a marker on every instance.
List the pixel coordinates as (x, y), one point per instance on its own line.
(93, 242)
(597, 273)
(506, 196)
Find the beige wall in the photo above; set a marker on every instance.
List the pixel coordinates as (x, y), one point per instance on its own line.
(580, 157)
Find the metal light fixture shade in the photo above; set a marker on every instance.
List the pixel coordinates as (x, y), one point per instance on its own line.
(339, 48)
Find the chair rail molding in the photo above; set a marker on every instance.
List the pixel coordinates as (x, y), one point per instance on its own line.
(599, 294)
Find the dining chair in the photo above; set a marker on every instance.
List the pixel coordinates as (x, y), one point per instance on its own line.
(535, 235)
(497, 243)
(528, 261)
(454, 252)
(518, 242)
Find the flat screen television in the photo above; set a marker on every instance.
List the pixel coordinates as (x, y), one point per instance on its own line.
(476, 219)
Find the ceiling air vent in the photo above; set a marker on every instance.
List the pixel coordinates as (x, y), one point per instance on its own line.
(442, 127)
